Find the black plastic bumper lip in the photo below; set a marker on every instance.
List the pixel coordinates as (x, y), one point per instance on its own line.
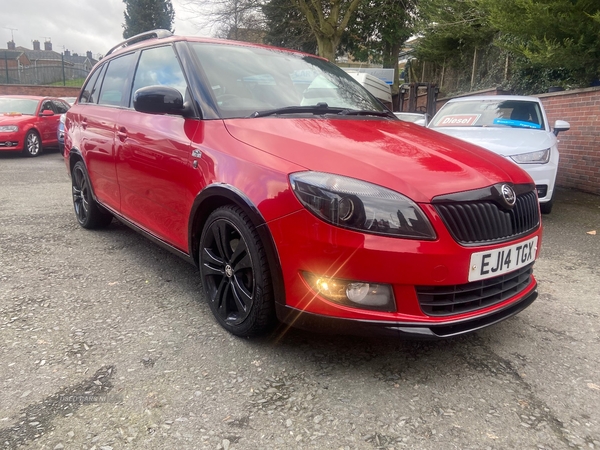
(329, 325)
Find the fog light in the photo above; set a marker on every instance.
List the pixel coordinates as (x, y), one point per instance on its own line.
(356, 292)
(353, 293)
(542, 190)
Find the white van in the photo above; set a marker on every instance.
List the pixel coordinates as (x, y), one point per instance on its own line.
(379, 88)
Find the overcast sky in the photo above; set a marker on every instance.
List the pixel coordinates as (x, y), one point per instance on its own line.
(75, 25)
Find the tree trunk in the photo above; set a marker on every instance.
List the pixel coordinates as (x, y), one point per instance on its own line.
(474, 67)
(443, 73)
(327, 20)
(390, 61)
(327, 47)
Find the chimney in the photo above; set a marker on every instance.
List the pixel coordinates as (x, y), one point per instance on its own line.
(36, 45)
(48, 46)
(89, 55)
(11, 45)
(67, 52)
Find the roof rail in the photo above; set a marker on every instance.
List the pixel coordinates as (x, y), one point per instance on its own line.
(159, 34)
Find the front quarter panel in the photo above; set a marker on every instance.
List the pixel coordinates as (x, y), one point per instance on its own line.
(262, 177)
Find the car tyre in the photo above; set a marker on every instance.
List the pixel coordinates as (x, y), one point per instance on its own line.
(89, 213)
(33, 144)
(235, 273)
(546, 208)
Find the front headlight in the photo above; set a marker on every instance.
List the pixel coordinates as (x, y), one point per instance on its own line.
(8, 128)
(361, 206)
(539, 157)
(62, 118)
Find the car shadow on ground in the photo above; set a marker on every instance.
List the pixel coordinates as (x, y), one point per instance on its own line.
(162, 264)
(4, 155)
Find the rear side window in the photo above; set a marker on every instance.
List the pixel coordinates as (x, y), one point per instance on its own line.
(116, 81)
(91, 88)
(159, 66)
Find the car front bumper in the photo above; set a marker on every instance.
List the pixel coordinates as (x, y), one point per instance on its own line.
(306, 244)
(339, 326)
(543, 175)
(11, 141)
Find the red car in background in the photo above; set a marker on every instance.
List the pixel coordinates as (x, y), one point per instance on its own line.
(29, 123)
(297, 193)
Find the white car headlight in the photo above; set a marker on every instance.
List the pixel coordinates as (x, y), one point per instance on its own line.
(539, 157)
(62, 118)
(8, 128)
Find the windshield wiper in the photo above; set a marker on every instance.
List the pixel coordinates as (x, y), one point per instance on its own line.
(367, 112)
(322, 108)
(319, 108)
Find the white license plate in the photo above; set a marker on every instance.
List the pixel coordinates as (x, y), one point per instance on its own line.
(502, 260)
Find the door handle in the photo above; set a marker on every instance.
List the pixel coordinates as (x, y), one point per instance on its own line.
(122, 134)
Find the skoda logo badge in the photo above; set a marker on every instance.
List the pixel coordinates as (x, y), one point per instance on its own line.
(508, 194)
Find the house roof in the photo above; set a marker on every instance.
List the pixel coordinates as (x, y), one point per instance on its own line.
(79, 59)
(14, 55)
(34, 55)
(10, 54)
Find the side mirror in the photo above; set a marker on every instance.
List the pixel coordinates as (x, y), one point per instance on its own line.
(561, 125)
(159, 100)
(47, 113)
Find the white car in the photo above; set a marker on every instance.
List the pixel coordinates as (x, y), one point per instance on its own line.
(512, 126)
(418, 118)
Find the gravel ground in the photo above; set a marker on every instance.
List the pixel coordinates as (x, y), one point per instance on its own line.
(107, 343)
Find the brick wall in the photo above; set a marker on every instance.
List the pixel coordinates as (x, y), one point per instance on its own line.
(579, 148)
(50, 91)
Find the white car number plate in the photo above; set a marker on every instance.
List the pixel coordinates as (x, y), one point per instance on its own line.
(502, 260)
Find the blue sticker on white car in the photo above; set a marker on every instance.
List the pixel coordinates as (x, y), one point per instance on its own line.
(517, 123)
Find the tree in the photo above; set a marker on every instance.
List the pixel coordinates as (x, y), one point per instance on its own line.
(457, 39)
(527, 45)
(378, 31)
(231, 19)
(451, 28)
(327, 20)
(145, 15)
(562, 36)
(286, 26)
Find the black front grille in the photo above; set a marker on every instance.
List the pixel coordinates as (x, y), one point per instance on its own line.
(485, 221)
(456, 299)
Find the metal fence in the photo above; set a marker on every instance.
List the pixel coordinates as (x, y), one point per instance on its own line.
(486, 67)
(56, 72)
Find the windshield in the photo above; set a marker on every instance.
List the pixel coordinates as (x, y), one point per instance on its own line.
(18, 105)
(490, 113)
(247, 80)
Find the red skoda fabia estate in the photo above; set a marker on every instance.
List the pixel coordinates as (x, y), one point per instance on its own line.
(298, 195)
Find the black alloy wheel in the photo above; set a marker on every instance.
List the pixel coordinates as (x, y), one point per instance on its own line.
(89, 214)
(33, 143)
(235, 273)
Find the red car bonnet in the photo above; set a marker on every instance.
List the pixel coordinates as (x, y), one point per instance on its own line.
(409, 159)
